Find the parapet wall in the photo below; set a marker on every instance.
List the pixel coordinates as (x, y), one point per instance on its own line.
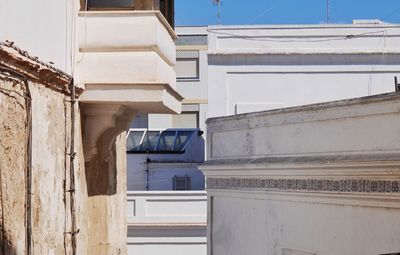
(317, 179)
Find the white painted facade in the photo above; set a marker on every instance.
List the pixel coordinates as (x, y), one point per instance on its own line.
(313, 180)
(43, 33)
(255, 68)
(167, 222)
(155, 171)
(194, 91)
(163, 221)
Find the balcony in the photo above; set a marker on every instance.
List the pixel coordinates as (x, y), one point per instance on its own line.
(125, 60)
(126, 31)
(130, 49)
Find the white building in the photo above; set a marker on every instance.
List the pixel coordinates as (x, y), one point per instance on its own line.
(192, 83)
(228, 70)
(320, 179)
(165, 160)
(167, 204)
(121, 55)
(254, 68)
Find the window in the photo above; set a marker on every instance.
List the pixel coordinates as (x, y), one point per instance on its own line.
(168, 141)
(186, 120)
(181, 139)
(134, 140)
(181, 183)
(150, 141)
(167, 9)
(109, 4)
(187, 65)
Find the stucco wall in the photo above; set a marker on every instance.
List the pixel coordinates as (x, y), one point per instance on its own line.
(256, 68)
(12, 168)
(320, 179)
(271, 227)
(43, 33)
(50, 169)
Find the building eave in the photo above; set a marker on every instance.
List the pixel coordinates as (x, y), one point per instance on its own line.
(35, 70)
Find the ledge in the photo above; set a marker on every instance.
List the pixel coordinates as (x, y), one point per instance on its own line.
(168, 225)
(300, 52)
(158, 14)
(155, 98)
(313, 107)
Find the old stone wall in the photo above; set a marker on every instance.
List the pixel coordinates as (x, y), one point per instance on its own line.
(12, 167)
(50, 214)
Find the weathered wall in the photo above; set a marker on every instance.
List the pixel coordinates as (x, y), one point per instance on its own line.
(106, 205)
(12, 169)
(51, 216)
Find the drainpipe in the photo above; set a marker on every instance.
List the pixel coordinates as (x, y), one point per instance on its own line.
(28, 156)
(72, 155)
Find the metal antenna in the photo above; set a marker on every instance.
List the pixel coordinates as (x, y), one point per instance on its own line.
(328, 11)
(218, 4)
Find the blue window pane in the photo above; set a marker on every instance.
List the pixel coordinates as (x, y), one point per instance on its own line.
(182, 139)
(166, 141)
(150, 141)
(133, 141)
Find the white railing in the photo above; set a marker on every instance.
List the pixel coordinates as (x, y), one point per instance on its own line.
(167, 208)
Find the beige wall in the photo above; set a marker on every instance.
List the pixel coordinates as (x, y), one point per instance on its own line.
(50, 168)
(100, 215)
(12, 137)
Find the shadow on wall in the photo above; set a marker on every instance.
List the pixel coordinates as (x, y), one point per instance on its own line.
(101, 171)
(6, 247)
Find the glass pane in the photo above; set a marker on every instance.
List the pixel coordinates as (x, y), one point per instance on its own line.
(110, 4)
(182, 138)
(181, 183)
(166, 141)
(133, 142)
(150, 141)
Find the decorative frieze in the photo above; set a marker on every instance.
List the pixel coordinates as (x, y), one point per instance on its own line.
(304, 185)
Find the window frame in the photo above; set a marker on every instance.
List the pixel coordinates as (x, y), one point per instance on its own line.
(188, 182)
(87, 8)
(197, 113)
(195, 78)
(156, 148)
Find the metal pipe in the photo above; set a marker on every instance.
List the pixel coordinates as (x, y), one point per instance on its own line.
(28, 156)
(72, 155)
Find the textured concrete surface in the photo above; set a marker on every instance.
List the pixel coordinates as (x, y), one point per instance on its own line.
(50, 171)
(316, 179)
(12, 169)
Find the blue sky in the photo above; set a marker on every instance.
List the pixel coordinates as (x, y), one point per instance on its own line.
(202, 12)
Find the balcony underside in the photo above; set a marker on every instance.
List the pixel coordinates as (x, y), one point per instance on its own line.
(145, 98)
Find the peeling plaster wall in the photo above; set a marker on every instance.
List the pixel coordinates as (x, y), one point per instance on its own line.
(12, 171)
(50, 168)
